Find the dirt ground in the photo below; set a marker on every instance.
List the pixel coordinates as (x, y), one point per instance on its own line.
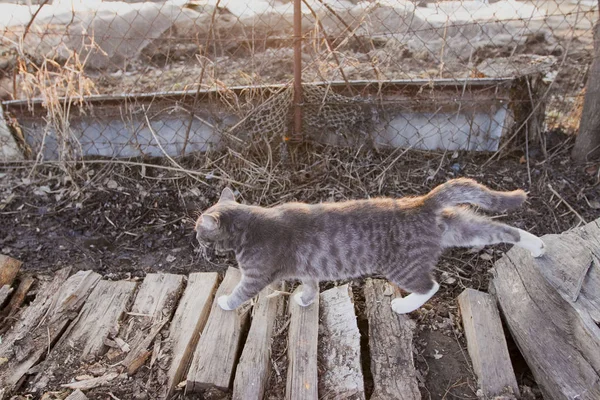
(126, 220)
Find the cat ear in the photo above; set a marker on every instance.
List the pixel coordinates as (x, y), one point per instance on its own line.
(209, 222)
(227, 195)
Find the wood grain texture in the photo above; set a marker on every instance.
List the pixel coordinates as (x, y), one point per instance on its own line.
(153, 306)
(188, 322)
(390, 344)
(19, 296)
(77, 395)
(84, 339)
(557, 336)
(5, 292)
(303, 335)
(218, 348)
(486, 343)
(254, 367)
(54, 307)
(587, 144)
(339, 347)
(9, 267)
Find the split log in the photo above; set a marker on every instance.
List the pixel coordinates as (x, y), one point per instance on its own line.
(486, 344)
(153, 307)
(9, 267)
(303, 335)
(56, 304)
(339, 347)
(92, 383)
(550, 305)
(254, 367)
(19, 296)
(5, 292)
(390, 344)
(84, 340)
(218, 347)
(188, 323)
(77, 395)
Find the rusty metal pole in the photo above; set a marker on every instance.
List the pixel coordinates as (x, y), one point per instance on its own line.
(297, 127)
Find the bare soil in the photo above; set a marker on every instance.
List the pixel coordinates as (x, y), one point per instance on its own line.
(125, 221)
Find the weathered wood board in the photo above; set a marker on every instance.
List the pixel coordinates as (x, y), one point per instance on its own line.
(188, 322)
(55, 306)
(390, 344)
(9, 267)
(5, 292)
(252, 374)
(152, 309)
(303, 334)
(536, 297)
(18, 297)
(77, 395)
(339, 347)
(217, 351)
(486, 343)
(85, 337)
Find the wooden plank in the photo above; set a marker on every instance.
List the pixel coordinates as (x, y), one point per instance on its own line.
(303, 336)
(19, 296)
(77, 395)
(153, 307)
(486, 343)
(215, 356)
(394, 377)
(188, 322)
(84, 340)
(254, 367)
(5, 292)
(589, 296)
(339, 347)
(9, 267)
(541, 318)
(43, 322)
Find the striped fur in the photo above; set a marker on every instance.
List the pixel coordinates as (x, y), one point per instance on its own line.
(401, 239)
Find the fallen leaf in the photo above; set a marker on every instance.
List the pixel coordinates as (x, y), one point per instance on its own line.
(171, 258)
(112, 184)
(3, 360)
(437, 355)
(485, 256)
(592, 170)
(595, 204)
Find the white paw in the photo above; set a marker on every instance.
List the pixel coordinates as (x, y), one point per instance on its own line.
(298, 299)
(223, 302)
(404, 305)
(538, 249)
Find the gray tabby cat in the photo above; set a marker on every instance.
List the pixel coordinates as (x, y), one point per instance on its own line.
(401, 239)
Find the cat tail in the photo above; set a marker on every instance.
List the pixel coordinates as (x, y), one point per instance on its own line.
(464, 190)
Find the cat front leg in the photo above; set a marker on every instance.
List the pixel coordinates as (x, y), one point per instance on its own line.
(244, 291)
(310, 290)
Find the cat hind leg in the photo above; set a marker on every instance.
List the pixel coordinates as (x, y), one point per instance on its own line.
(418, 282)
(464, 228)
(410, 303)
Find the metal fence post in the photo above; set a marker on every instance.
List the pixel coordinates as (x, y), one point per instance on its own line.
(297, 127)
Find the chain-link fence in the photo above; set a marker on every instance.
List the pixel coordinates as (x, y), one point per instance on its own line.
(126, 78)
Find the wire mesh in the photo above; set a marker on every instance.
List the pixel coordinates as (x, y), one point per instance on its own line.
(127, 78)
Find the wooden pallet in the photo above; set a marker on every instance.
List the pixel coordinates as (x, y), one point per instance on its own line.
(83, 332)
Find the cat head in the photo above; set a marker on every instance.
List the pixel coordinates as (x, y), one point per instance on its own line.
(209, 226)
